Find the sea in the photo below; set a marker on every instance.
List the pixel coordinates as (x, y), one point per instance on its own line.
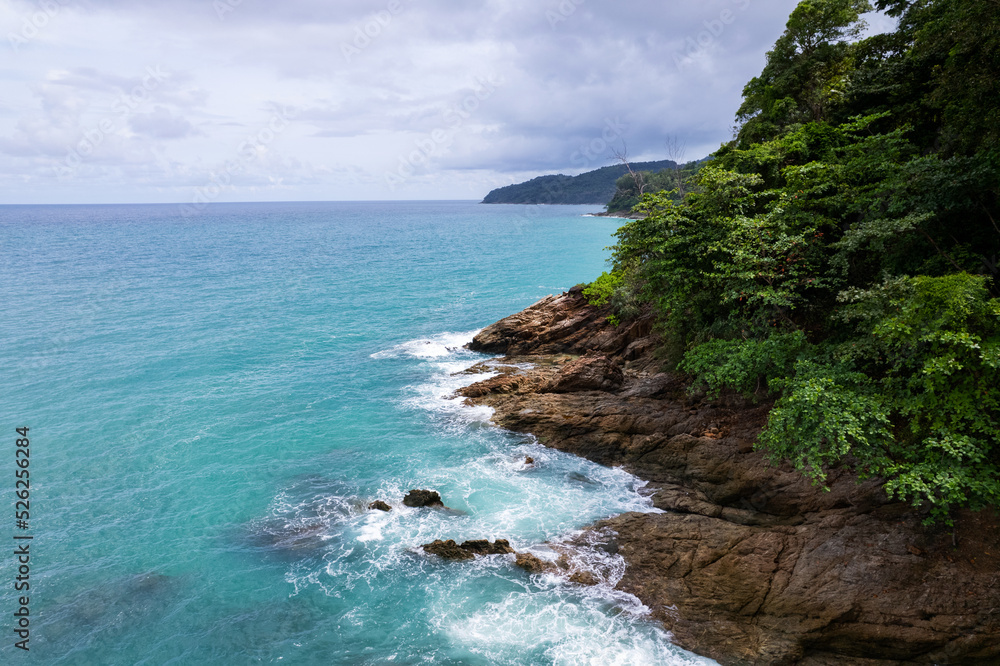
(212, 400)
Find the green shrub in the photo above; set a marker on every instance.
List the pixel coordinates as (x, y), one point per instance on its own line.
(747, 366)
(600, 290)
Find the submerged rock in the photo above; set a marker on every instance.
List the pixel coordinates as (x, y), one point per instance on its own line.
(379, 505)
(582, 479)
(110, 605)
(289, 537)
(468, 550)
(419, 498)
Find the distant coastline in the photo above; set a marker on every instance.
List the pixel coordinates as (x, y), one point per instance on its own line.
(593, 187)
(621, 214)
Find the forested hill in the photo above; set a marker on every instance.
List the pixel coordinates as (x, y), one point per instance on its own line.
(839, 255)
(593, 187)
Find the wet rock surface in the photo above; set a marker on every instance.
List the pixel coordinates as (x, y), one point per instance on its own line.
(583, 578)
(467, 550)
(749, 563)
(533, 563)
(379, 505)
(484, 547)
(420, 498)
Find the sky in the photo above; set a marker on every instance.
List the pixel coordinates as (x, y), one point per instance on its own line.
(197, 101)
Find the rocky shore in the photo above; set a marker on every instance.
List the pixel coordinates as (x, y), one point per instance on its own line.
(623, 214)
(748, 563)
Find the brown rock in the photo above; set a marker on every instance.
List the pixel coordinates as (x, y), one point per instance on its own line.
(448, 550)
(468, 550)
(584, 578)
(563, 324)
(528, 460)
(485, 368)
(532, 564)
(380, 506)
(484, 547)
(419, 498)
(587, 373)
(750, 563)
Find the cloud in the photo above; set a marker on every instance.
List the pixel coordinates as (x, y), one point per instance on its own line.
(161, 123)
(370, 82)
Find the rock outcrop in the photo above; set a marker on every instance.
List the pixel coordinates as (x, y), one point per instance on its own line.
(749, 563)
(533, 563)
(467, 550)
(587, 373)
(559, 325)
(419, 498)
(448, 550)
(484, 547)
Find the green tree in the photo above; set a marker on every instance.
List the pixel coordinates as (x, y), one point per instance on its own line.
(840, 255)
(807, 71)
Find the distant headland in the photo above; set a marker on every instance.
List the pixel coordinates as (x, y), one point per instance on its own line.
(592, 187)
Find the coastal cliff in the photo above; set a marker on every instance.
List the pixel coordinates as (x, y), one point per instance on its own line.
(748, 563)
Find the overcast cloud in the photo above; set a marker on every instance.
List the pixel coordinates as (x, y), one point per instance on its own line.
(247, 100)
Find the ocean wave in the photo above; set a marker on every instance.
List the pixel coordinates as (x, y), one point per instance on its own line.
(437, 395)
(436, 346)
(556, 624)
(487, 607)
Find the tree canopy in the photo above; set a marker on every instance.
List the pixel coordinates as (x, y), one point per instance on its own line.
(839, 255)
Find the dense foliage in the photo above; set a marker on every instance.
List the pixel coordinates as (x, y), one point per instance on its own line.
(840, 254)
(631, 186)
(592, 187)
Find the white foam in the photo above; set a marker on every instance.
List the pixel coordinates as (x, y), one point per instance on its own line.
(503, 497)
(446, 358)
(372, 529)
(438, 394)
(571, 629)
(436, 346)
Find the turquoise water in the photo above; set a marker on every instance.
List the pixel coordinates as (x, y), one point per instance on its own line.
(213, 401)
